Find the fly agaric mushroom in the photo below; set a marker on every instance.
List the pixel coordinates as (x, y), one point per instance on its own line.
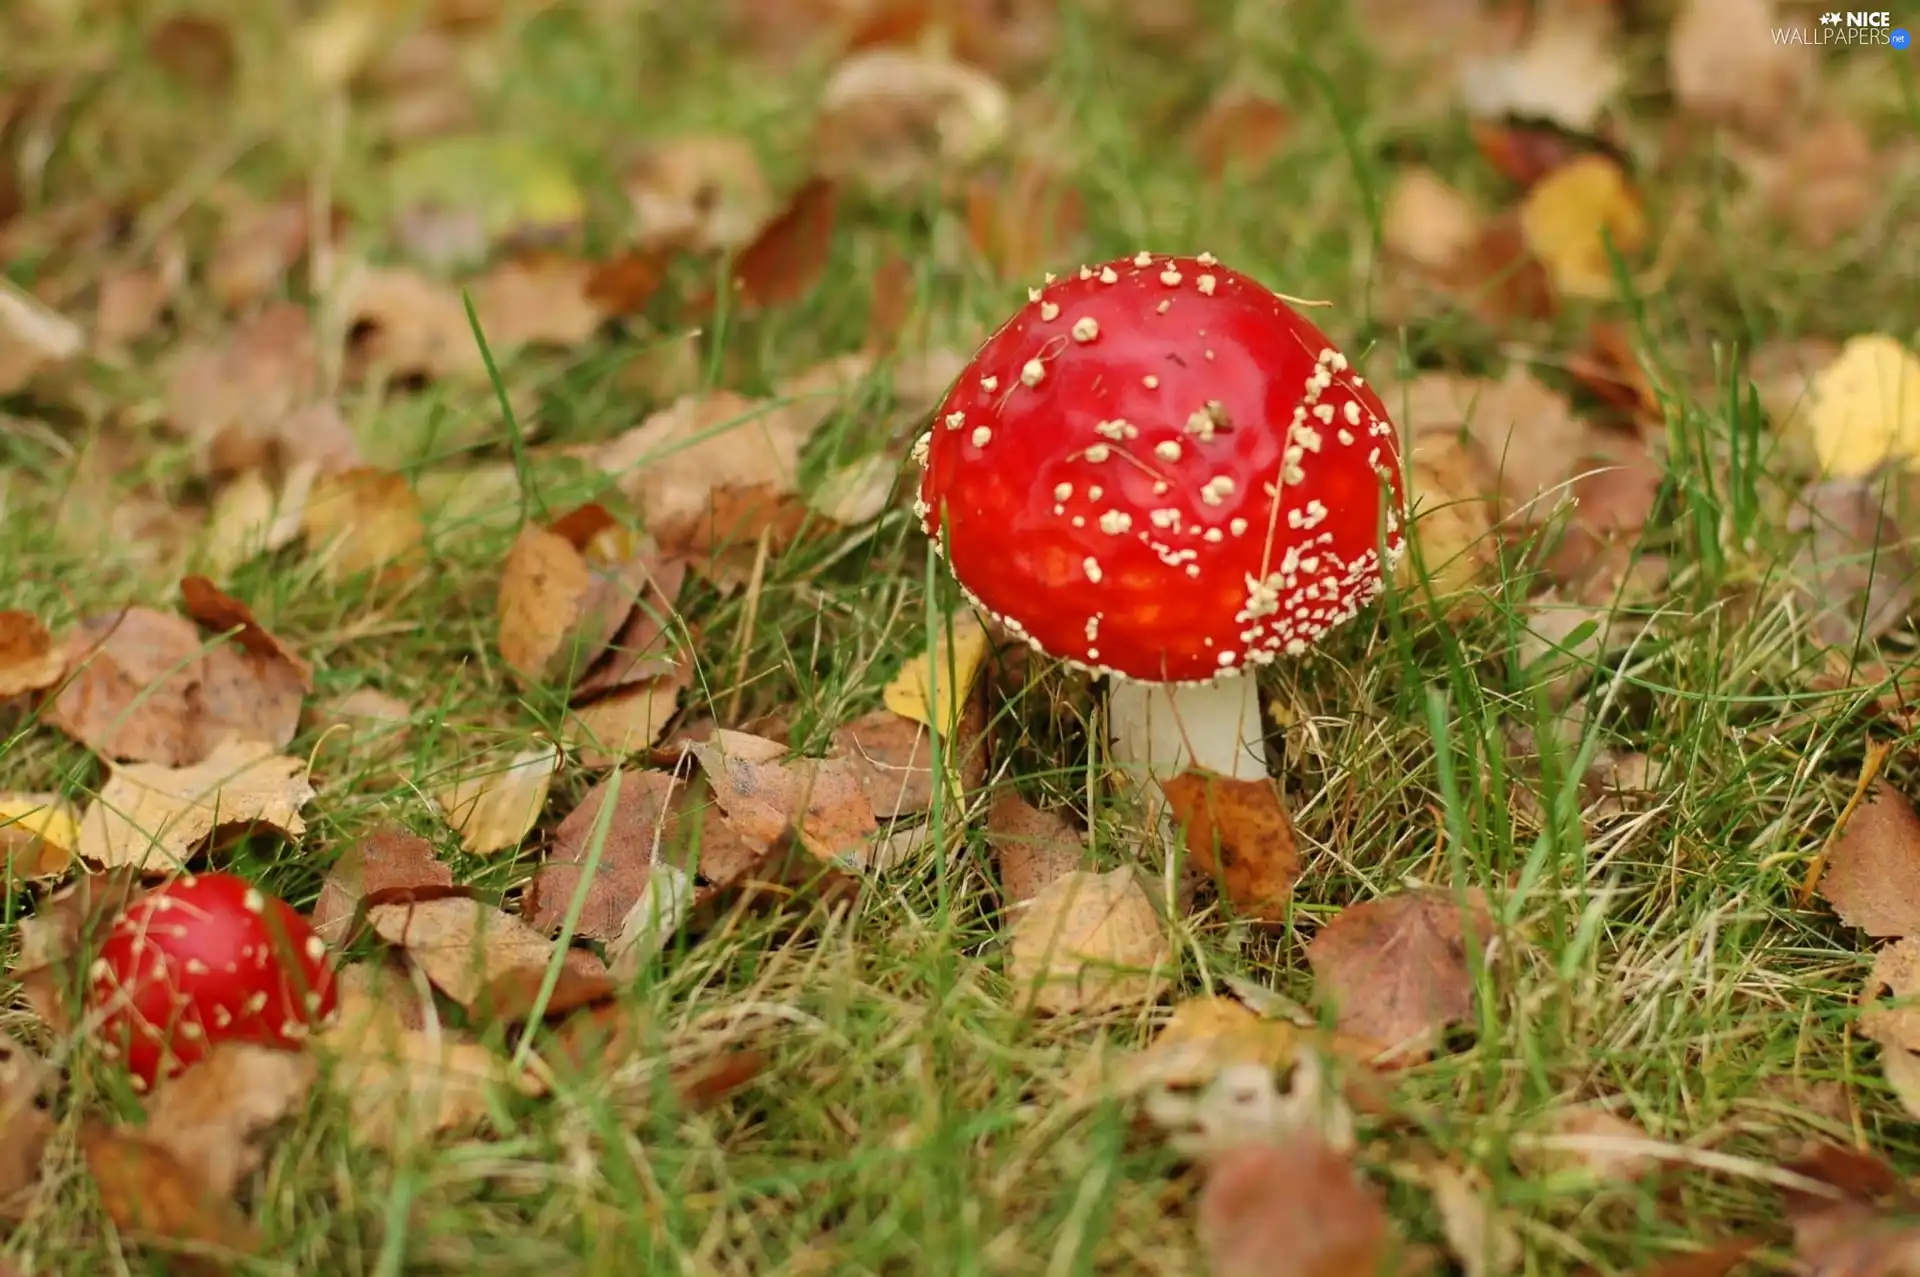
(203, 960)
(1159, 471)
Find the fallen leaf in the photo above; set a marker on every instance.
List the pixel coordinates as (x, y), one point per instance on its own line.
(763, 795)
(1238, 832)
(1577, 218)
(407, 324)
(699, 192)
(1485, 1245)
(1612, 498)
(130, 305)
(458, 197)
(401, 1085)
(857, 493)
(1396, 968)
(1566, 70)
(257, 247)
(252, 514)
(377, 867)
(494, 808)
(893, 119)
(488, 961)
(221, 612)
(57, 941)
(1452, 526)
(661, 909)
(787, 258)
(1527, 432)
(364, 520)
(1204, 1036)
(1024, 221)
(147, 1192)
(1035, 848)
(566, 590)
(931, 687)
(625, 721)
(892, 758)
(25, 1129)
(1241, 132)
(1088, 941)
(1582, 1137)
(1864, 407)
(30, 661)
(365, 724)
(152, 817)
(635, 843)
(1827, 184)
(240, 398)
(1890, 999)
(208, 1118)
(1296, 1209)
(37, 836)
(1714, 1261)
(1724, 65)
(1524, 151)
(196, 51)
(540, 301)
(34, 338)
(1428, 222)
(1855, 569)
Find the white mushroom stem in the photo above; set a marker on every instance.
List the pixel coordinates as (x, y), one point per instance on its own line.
(1160, 730)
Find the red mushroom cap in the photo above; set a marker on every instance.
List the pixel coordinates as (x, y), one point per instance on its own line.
(1158, 469)
(203, 960)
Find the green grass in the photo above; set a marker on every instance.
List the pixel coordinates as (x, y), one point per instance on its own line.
(910, 1120)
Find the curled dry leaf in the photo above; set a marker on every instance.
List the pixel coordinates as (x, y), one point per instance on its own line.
(1864, 407)
(788, 258)
(385, 864)
(147, 1191)
(364, 520)
(494, 808)
(403, 1085)
(565, 592)
(1577, 218)
(38, 833)
(488, 961)
(1855, 569)
(700, 192)
(764, 796)
(141, 685)
(1088, 941)
(635, 843)
(891, 119)
(25, 1128)
(539, 301)
(366, 723)
(1295, 1209)
(1035, 848)
(1238, 832)
(1396, 969)
(155, 818)
(892, 756)
(209, 1117)
(30, 661)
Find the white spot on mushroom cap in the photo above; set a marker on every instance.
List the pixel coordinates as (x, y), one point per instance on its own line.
(1049, 311)
(1108, 275)
(981, 436)
(1033, 372)
(1091, 566)
(1206, 284)
(1086, 328)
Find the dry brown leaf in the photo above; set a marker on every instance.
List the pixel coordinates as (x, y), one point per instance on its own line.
(894, 119)
(147, 1192)
(252, 514)
(1872, 876)
(1613, 496)
(364, 520)
(1238, 832)
(140, 687)
(25, 1129)
(30, 661)
(1296, 1209)
(130, 305)
(1396, 968)
(381, 866)
(1483, 1242)
(1607, 1146)
(1204, 1036)
(409, 324)
(566, 590)
(1035, 848)
(625, 721)
(543, 301)
(788, 256)
(1890, 999)
(255, 250)
(635, 837)
(34, 339)
(1578, 218)
(1428, 222)
(365, 724)
(1526, 152)
(403, 1085)
(1088, 941)
(196, 51)
(1240, 133)
(209, 1116)
(763, 794)
(892, 757)
(1452, 528)
(701, 192)
(1526, 431)
(37, 836)
(242, 398)
(221, 612)
(1724, 65)
(1024, 221)
(488, 961)
(155, 818)
(494, 807)
(1565, 71)
(1856, 571)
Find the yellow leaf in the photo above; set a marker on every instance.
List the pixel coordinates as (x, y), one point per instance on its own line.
(37, 835)
(1573, 214)
(1205, 1036)
(929, 688)
(1865, 407)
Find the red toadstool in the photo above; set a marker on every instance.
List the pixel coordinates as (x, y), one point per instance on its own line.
(203, 960)
(1159, 471)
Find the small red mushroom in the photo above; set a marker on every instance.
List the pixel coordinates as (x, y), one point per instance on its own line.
(203, 960)
(1160, 471)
